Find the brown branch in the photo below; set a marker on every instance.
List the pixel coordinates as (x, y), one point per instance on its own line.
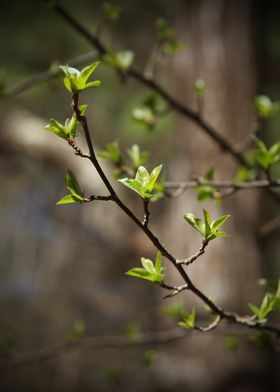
(137, 75)
(191, 259)
(248, 321)
(59, 349)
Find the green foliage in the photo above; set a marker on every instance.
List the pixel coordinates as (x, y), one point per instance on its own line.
(150, 271)
(112, 154)
(144, 183)
(76, 81)
(149, 357)
(173, 310)
(111, 11)
(208, 230)
(121, 61)
(230, 341)
(269, 303)
(72, 185)
(200, 88)
(69, 129)
(166, 37)
(137, 157)
(265, 107)
(189, 319)
(206, 192)
(263, 156)
(77, 332)
(245, 174)
(149, 111)
(264, 340)
(132, 332)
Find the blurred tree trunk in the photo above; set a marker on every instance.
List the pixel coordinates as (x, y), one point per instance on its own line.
(221, 50)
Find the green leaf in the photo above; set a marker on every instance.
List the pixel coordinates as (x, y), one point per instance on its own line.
(112, 153)
(132, 332)
(87, 71)
(207, 223)
(132, 184)
(216, 224)
(145, 116)
(72, 184)
(196, 223)
(263, 106)
(189, 319)
(151, 272)
(70, 199)
(57, 128)
(208, 230)
(158, 266)
(200, 87)
(153, 178)
(149, 358)
(137, 158)
(111, 11)
(76, 81)
(245, 174)
(144, 184)
(148, 265)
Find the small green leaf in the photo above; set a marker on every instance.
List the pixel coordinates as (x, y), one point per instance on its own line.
(76, 81)
(70, 199)
(111, 11)
(72, 184)
(189, 319)
(148, 265)
(153, 178)
(149, 358)
(112, 153)
(57, 128)
(132, 184)
(87, 71)
(132, 332)
(200, 87)
(216, 224)
(137, 158)
(158, 263)
(144, 184)
(151, 272)
(263, 105)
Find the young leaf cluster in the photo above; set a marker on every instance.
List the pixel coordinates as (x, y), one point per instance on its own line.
(69, 129)
(206, 192)
(265, 107)
(121, 61)
(76, 195)
(149, 111)
(144, 183)
(208, 230)
(150, 271)
(76, 81)
(189, 319)
(269, 303)
(265, 157)
(166, 37)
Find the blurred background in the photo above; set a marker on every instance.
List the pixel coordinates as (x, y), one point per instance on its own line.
(63, 267)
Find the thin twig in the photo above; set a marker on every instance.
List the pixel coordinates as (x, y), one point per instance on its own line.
(191, 259)
(41, 77)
